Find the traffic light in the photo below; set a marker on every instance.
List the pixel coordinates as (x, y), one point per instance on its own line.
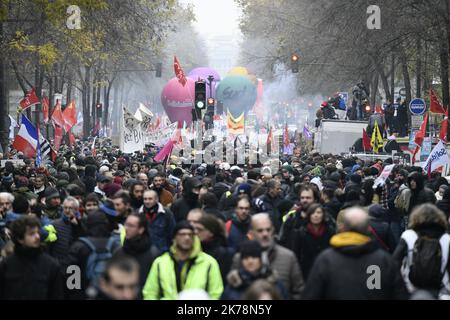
(200, 98)
(294, 63)
(209, 116)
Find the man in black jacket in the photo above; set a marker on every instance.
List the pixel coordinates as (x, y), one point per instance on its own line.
(354, 267)
(29, 274)
(268, 203)
(98, 234)
(138, 245)
(189, 199)
(68, 229)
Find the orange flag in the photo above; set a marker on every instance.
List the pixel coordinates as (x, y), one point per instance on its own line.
(57, 115)
(70, 116)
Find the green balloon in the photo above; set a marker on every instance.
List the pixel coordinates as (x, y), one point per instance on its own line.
(237, 93)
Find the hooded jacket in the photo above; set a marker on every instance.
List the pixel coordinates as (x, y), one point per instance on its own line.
(381, 231)
(200, 271)
(188, 201)
(421, 194)
(343, 271)
(444, 204)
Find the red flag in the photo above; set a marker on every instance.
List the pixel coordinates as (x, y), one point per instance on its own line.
(70, 116)
(179, 71)
(30, 100)
(420, 135)
(45, 105)
(286, 140)
(444, 128)
(366, 141)
(165, 151)
(58, 137)
(71, 139)
(57, 115)
(435, 105)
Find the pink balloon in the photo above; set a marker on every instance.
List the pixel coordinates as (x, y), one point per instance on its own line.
(178, 101)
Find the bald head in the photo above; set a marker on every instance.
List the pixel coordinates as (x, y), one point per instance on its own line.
(356, 219)
(262, 229)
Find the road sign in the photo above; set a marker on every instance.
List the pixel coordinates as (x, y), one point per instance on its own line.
(402, 92)
(417, 106)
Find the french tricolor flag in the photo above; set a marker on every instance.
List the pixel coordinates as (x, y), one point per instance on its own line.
(26, 139)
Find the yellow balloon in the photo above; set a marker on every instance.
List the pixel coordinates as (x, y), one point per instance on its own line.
(242, 71)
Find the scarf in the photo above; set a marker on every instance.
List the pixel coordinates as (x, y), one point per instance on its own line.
(316, 232)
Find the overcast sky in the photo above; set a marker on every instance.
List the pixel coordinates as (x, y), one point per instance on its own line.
(216, 17)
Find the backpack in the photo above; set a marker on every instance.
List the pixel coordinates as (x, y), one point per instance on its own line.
(96, 262)
(426, 263)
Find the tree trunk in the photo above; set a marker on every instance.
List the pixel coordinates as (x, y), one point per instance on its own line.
(384, 80)
(86, 102)
(443, 56)
(419, 69)
(406, 77)
(393, 78)
(373, 95)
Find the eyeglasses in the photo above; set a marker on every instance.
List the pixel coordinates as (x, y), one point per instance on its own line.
(69, 208)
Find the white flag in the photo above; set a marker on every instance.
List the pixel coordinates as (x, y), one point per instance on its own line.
(437, 158)
(11, 127)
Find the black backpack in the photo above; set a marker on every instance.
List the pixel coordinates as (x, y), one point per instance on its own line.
(425, 270)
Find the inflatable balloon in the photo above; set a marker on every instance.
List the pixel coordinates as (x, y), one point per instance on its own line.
(178, 101)
(237, 93)
(242, 71)
(203, 73)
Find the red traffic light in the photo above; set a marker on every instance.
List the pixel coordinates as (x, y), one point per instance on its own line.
(294, 57)
(368, 108)
(210, 101)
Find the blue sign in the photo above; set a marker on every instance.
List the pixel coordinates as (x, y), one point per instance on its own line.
(417, 106)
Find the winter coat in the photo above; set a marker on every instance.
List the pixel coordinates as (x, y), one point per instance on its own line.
(238, 281)
(222, 254)
(186, 203)
(307, 247)
(143, 251)
(284, 262)
(200, 271)
(444, 204)
(237, 231)
(66, 233)
(78, 255)
(220, 188)
(269, 205)
(434, 231)
(161, 228)
(165, 197)
(31, 274)
(343, 271)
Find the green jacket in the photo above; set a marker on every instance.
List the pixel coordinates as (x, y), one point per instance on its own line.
(200, 271)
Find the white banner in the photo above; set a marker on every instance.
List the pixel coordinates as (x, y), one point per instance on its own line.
(381, 180)
(132, 137)
(162, 136)
(438, 157)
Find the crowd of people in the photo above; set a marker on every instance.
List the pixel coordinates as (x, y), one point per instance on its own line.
(118, 226)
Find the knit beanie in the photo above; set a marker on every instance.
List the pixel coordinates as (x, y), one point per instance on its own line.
(250, 249)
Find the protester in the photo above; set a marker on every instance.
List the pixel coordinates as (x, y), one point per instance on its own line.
(343, 271)
(184, 261)
(189, 199)
(29, 273)
(238, 227)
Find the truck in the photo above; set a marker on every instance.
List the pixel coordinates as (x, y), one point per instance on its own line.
(337, 136)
